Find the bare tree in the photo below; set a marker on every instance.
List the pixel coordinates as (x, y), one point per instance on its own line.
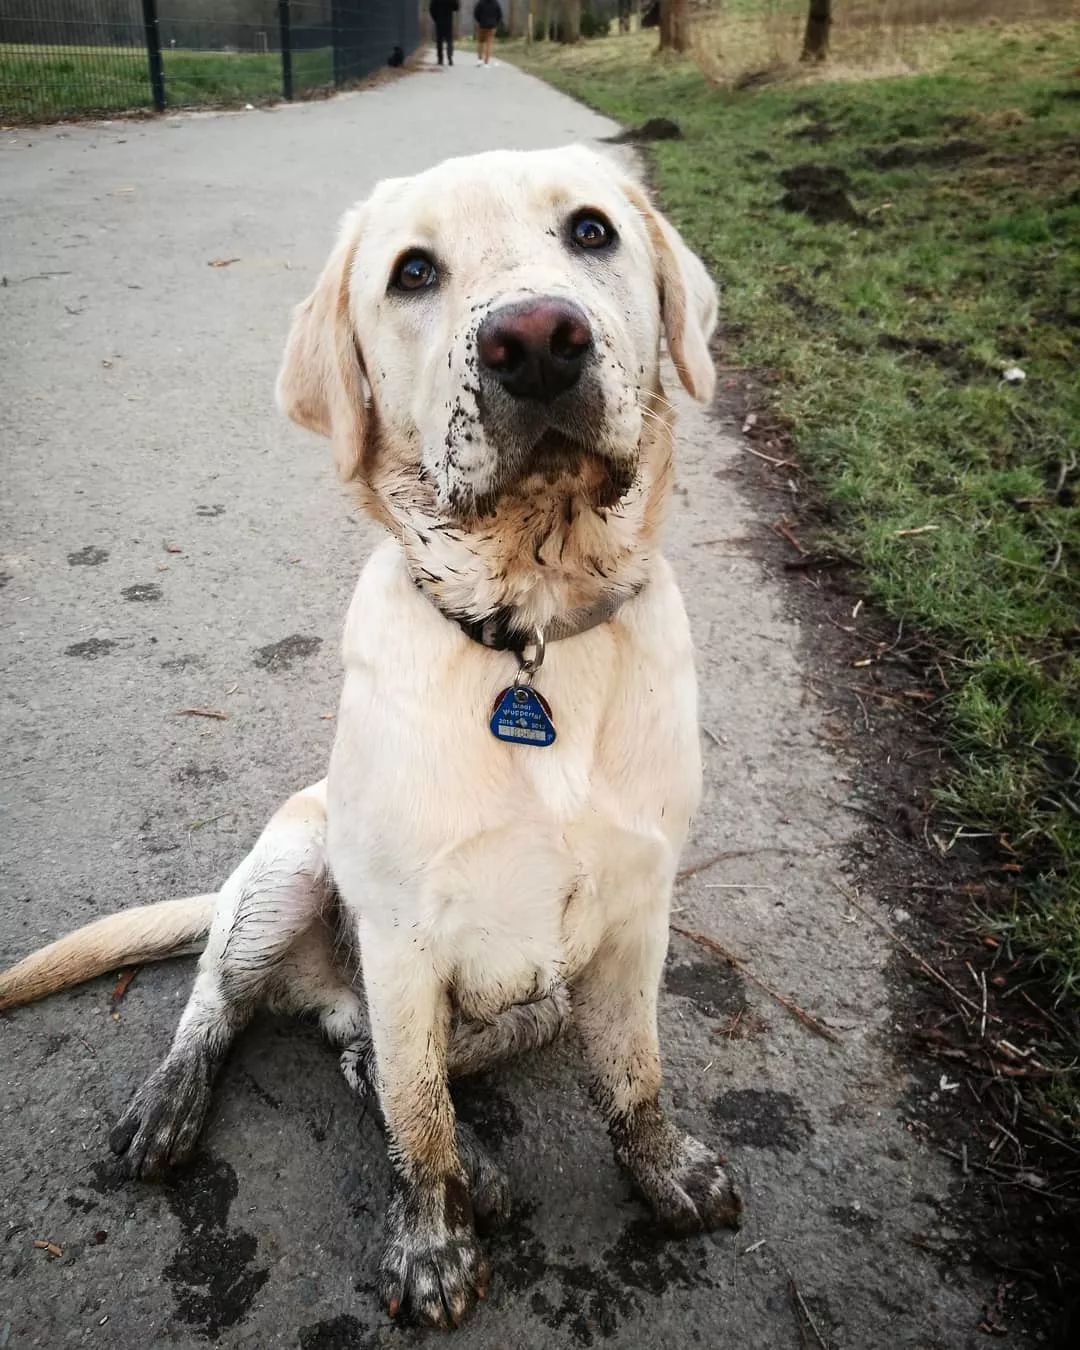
(571, 21)
(674, 26)
(818, 23)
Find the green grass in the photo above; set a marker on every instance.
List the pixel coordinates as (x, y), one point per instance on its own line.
(41, 85)
(885, 344)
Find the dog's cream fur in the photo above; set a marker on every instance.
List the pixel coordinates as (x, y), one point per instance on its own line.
(479, 881)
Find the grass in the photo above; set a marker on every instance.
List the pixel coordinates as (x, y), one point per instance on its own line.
(737, 38)
(885, 339)
(42, 84)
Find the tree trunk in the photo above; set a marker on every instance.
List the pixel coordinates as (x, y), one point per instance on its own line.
(818, 23)
(674, 26)
(571, 21)
(518, 18)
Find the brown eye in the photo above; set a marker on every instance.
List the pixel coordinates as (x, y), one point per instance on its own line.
(590, 230)
(415, 272)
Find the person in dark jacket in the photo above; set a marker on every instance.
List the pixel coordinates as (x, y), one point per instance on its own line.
(487, 16)
(442, 16)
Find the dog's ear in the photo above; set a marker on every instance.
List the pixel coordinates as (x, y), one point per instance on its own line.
(321, 382)
(688, 304)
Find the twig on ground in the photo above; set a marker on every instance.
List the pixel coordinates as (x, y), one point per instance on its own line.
(807, 1019)
(203, 712)
(800, 1307)
(905, 947)
(782, 528)
(703, 865)
(1001, 1174)
(770, 459)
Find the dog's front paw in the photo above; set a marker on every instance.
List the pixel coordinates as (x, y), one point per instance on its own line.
(685, 1182)
(161, 1126)
(433, 1268)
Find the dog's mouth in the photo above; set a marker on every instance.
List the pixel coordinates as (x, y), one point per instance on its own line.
(557, 458)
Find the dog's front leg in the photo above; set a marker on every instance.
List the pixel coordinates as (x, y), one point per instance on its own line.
(432, 1265)
(614, 1002)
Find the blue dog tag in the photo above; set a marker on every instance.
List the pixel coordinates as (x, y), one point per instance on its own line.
(522, 717)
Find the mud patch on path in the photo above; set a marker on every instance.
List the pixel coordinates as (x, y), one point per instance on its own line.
(761, 1118)
(283, 655)
(211, 1271)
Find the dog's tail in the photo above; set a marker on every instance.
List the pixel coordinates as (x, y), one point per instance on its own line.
(144, 933)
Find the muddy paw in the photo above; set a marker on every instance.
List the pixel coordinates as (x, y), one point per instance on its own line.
(161, 1126)
(687, 1186)
(432, 1269)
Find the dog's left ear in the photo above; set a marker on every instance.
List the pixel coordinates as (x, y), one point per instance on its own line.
(321, 382)
(688, 303)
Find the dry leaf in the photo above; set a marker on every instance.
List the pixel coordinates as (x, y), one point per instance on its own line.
(173, 548)
(222, 262)
(123, 984)
(203, 712)
(326, 717)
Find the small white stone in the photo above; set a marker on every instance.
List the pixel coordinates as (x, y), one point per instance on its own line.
(1013, 375)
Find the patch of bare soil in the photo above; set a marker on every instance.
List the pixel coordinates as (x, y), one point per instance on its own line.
(924, 152)
(819, 191)
(973, 1024)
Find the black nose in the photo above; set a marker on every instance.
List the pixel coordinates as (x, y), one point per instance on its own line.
(536, 349)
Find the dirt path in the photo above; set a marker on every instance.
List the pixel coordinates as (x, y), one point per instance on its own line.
(170, 543)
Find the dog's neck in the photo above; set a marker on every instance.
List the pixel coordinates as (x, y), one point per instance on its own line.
(544, 553)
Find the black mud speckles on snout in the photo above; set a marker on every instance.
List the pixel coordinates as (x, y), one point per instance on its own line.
(91, 649)
(90, 556)
(715, 990)
(211, 1271)
(141, 591)
(282, 655)
(761, 1118)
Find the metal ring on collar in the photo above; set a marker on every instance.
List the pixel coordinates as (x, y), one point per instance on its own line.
(529, 665)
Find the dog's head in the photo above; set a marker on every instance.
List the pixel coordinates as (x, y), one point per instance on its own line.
(495, 319)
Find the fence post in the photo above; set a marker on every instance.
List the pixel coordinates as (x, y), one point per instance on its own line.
(286, 48)
(153, 53)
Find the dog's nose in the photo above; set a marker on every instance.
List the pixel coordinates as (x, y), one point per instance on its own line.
(536, 349)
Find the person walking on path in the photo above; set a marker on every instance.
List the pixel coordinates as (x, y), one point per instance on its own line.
(487, 16)
(442, 16)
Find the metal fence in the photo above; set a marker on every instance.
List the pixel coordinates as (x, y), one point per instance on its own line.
(70, 58)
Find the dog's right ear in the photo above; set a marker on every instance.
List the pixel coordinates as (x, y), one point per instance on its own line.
(321, 383)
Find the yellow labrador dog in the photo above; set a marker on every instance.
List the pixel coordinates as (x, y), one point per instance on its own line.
(516, 762)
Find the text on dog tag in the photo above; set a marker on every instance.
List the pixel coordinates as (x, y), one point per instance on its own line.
(522, 717)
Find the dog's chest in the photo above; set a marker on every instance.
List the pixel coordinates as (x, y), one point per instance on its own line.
(506, 865)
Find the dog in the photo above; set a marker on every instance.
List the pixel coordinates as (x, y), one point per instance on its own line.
(516, 762)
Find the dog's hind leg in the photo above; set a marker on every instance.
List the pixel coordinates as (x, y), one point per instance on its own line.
(277, 893)
(476, 1047)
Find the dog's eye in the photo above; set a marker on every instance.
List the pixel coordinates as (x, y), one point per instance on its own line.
(414, 272)
(589, 229)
